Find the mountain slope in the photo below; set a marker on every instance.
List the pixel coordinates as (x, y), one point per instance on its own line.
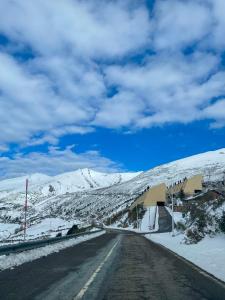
(79, 180)
(85, 179)
(83, 194)
(210, 164)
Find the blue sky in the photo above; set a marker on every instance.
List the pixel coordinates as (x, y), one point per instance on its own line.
(111, 85)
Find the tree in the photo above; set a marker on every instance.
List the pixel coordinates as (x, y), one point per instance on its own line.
(222, 222)
(181, 195)
(51, 188)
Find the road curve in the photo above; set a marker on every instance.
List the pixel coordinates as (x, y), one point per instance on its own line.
(113, 266)
(145, 270)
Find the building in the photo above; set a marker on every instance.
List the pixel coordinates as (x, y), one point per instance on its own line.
(155, 195)
(189, 186)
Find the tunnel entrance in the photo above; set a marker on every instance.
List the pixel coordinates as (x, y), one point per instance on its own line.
(160, 203)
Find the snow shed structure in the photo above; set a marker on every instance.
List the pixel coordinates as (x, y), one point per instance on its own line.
(155, 195)
(189, 186)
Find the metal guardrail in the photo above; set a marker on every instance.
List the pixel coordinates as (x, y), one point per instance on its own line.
(6, 250)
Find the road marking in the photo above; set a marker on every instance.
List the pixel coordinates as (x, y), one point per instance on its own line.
(91, 279)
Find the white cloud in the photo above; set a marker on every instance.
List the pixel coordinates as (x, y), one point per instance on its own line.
(215, 112)
(55, 161)
(174, 90)
(30, 105)
(179, 23)
(122, 110)
(81, 49)
(85, 28)
(61, 88)
(217, 32)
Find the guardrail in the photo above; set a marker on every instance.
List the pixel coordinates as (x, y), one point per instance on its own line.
(6, 250)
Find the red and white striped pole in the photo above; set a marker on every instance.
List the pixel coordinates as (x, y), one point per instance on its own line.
(25, 211)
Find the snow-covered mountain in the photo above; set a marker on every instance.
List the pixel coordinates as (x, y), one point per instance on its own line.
(85, 193)
(210, 164)
(79, 180)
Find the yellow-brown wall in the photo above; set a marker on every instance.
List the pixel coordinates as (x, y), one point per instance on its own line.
(189, 186)
(152, 196)
(192, 184)
(158, 193)
(176, 188)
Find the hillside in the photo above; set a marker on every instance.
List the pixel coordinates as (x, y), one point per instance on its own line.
(86, 194)
(79, 180)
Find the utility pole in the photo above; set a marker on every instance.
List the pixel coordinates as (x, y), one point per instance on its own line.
(137, 216)
(149, 217)
(172, 216)
(25, 211)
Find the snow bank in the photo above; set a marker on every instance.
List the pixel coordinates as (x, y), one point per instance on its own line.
(177, 216)
(16, 259)
(49, 226)
(148, 221)
(7, 229)
(208, 254)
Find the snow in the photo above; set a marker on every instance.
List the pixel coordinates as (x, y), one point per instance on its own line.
(208, 254)
(148, 221)
(18, 184)
(84, 179)
(146, 224)
(85, 194)
(6, 230)
(209, 163)
(177, 216)
(79, 180)
(16, 259)
(49, 227)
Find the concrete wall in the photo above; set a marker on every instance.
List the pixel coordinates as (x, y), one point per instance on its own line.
(189, 185)
(158, 193)
(152, 196)
(176, 188)
(192, 184)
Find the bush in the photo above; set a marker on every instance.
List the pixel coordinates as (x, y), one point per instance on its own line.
(181, 195)
(74, 229)
(193, 236)
(51, 188)
(180, 226)
(222, 222)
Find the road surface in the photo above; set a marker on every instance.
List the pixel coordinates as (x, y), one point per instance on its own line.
(165, 220)
(113, 266)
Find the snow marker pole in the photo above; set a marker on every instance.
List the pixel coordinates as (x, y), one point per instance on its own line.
(25, 211)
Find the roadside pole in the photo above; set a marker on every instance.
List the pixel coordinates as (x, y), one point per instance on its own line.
(172, 216)
(149, 217)
(137, 216)
(25, 211)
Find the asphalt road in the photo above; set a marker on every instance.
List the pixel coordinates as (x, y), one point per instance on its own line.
(165, 220)
(112, 266)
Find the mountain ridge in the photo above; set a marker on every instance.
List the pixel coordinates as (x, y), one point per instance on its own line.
(110, 194)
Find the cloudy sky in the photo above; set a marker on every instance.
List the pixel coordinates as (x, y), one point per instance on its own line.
(111, 85)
